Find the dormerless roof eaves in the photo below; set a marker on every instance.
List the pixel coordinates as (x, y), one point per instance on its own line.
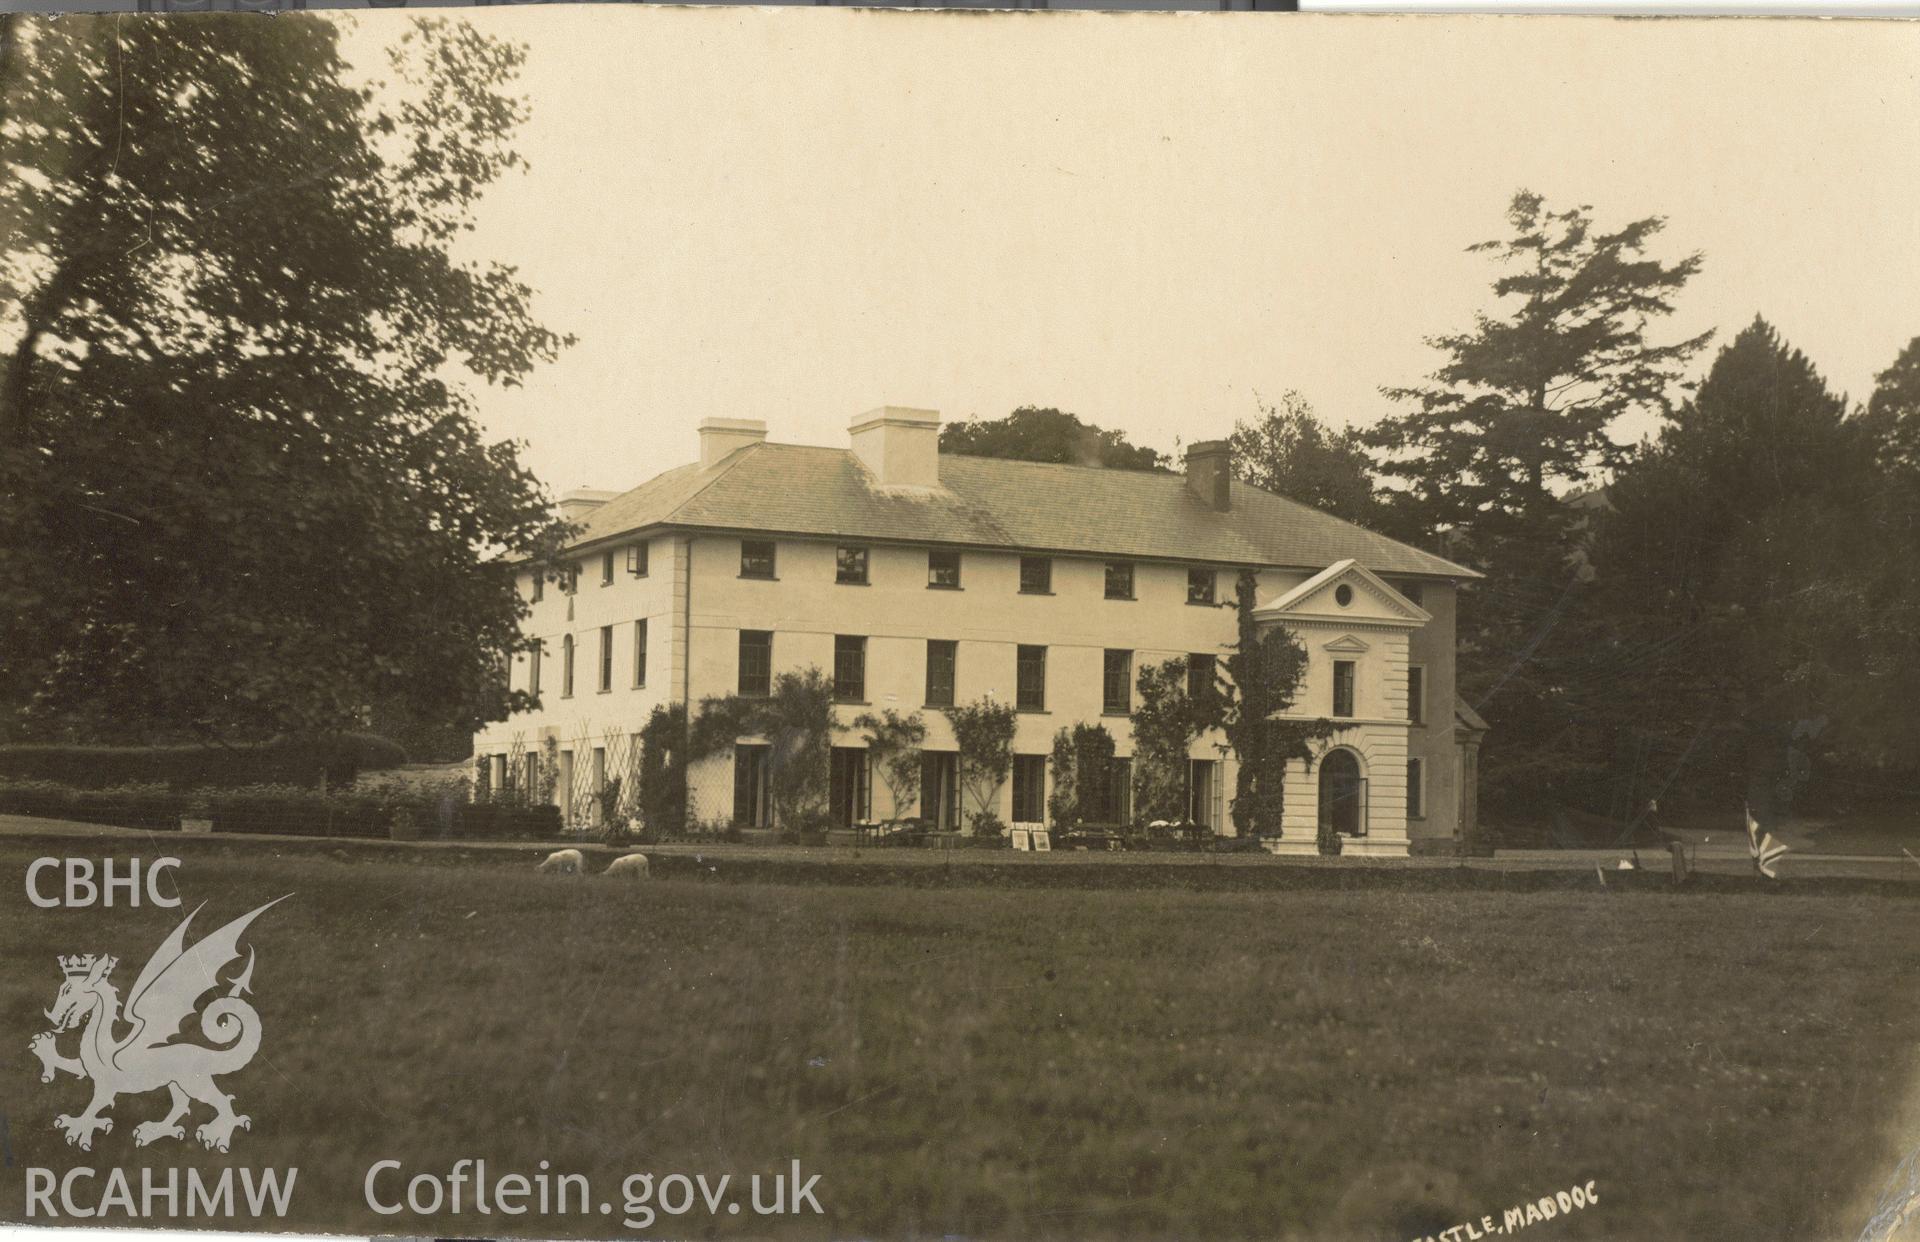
(601, 543)
(804, 492)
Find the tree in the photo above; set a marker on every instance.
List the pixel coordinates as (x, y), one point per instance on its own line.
(1520, 410)
(1747, 587)
(1263, 675)
(1291, 453)
(983, 731)
(1516, 419)
(1893, 415)
(1034, 434)
(1892, 424)
(893, 747)
(242, 489)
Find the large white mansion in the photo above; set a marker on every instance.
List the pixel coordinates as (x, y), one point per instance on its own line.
(921, 579)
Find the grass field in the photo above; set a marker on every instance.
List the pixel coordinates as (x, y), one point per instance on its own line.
(1358, 1057)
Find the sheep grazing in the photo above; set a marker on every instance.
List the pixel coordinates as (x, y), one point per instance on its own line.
(633, 866)
(564, 862)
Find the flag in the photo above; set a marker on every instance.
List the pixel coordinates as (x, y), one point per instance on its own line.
(1765, 850)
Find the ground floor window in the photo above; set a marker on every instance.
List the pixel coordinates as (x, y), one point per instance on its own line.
(940, 789)
(850, 791)
(750, 803)
(1200, 791)
(1343, 794)
(1416, 796)
(1029, 789)
(1116, 801)
(532, 776)
(566, 786)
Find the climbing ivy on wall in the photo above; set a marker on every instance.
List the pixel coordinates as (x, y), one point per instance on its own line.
(663, 769)
(796, 720)
(1263, 676)
(1165, 724)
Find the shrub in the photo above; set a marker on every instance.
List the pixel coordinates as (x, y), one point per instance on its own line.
(285, 761)
(989, 831)
(1082, 776)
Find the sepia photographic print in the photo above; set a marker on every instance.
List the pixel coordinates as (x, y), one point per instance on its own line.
(833, 623)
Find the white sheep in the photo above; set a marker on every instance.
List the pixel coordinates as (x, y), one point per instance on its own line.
(633, 866)
(564, 862)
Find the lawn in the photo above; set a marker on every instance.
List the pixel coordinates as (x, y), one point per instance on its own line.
(1358, 1057)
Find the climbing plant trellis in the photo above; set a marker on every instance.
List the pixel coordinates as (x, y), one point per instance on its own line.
(621, 753)
(508, 786)
(623, 764)
(583, 810)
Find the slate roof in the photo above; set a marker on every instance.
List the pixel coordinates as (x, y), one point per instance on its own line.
(994, 503)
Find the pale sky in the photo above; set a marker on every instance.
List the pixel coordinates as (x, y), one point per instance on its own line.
(800, 214)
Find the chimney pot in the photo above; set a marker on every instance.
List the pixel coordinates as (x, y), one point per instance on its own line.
(1210, 472)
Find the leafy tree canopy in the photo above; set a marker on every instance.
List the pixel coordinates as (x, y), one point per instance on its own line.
(1291, 452)
(1520, 408)
(1034, 434)
(1754, 580)
(242, 489)
(1894, 413)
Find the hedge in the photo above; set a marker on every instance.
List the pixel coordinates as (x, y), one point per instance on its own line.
(285, 761)
(287, 809)
(498, 821)
(293, 811)
(154, 808)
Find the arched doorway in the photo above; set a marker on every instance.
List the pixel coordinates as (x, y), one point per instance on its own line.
(1343, 794)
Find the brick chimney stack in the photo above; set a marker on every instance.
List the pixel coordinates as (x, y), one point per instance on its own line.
(1210, 473)
(901, 446)
(720, 437)
(576, 504)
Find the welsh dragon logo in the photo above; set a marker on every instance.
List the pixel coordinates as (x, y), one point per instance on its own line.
(145, 1058)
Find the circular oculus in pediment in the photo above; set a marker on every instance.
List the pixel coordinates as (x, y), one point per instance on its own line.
(1343, 595)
